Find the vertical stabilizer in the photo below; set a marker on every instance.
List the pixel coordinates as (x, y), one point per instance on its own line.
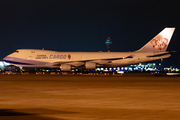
(160, 42)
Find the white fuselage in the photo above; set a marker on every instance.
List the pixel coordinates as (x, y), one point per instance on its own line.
(53, 59)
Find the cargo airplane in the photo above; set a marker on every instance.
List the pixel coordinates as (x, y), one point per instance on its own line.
(155, 49)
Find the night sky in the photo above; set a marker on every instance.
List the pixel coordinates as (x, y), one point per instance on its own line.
(84, 25)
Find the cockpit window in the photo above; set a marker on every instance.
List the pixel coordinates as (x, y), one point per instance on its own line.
(16, 51)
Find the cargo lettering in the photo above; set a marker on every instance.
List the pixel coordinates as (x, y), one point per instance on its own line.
(57, 56)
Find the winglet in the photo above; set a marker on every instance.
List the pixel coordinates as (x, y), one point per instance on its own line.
(160, 42)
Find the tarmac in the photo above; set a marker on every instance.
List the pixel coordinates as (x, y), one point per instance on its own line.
(72, 97)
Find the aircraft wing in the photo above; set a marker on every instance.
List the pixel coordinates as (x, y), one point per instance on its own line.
(98, 61)
(73, 63)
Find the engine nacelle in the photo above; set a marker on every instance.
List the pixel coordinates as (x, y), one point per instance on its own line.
(65, 67)
(90, 65)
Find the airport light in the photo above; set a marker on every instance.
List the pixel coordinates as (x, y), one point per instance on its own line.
(6, 64)
(122, 72)
(125, 68)
(1, 64)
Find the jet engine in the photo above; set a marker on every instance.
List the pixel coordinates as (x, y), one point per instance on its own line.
(90, 65)
(65, 67)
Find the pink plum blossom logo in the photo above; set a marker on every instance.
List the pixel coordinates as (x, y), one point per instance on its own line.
(69, 56)
(159, 43)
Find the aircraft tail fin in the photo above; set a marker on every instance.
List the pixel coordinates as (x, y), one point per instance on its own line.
(160, 42)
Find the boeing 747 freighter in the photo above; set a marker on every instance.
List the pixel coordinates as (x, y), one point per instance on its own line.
(155, 49)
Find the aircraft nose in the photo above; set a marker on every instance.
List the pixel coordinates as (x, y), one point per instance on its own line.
(6, 58)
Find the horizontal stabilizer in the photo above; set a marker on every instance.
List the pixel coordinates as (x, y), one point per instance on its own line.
(158, 55)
